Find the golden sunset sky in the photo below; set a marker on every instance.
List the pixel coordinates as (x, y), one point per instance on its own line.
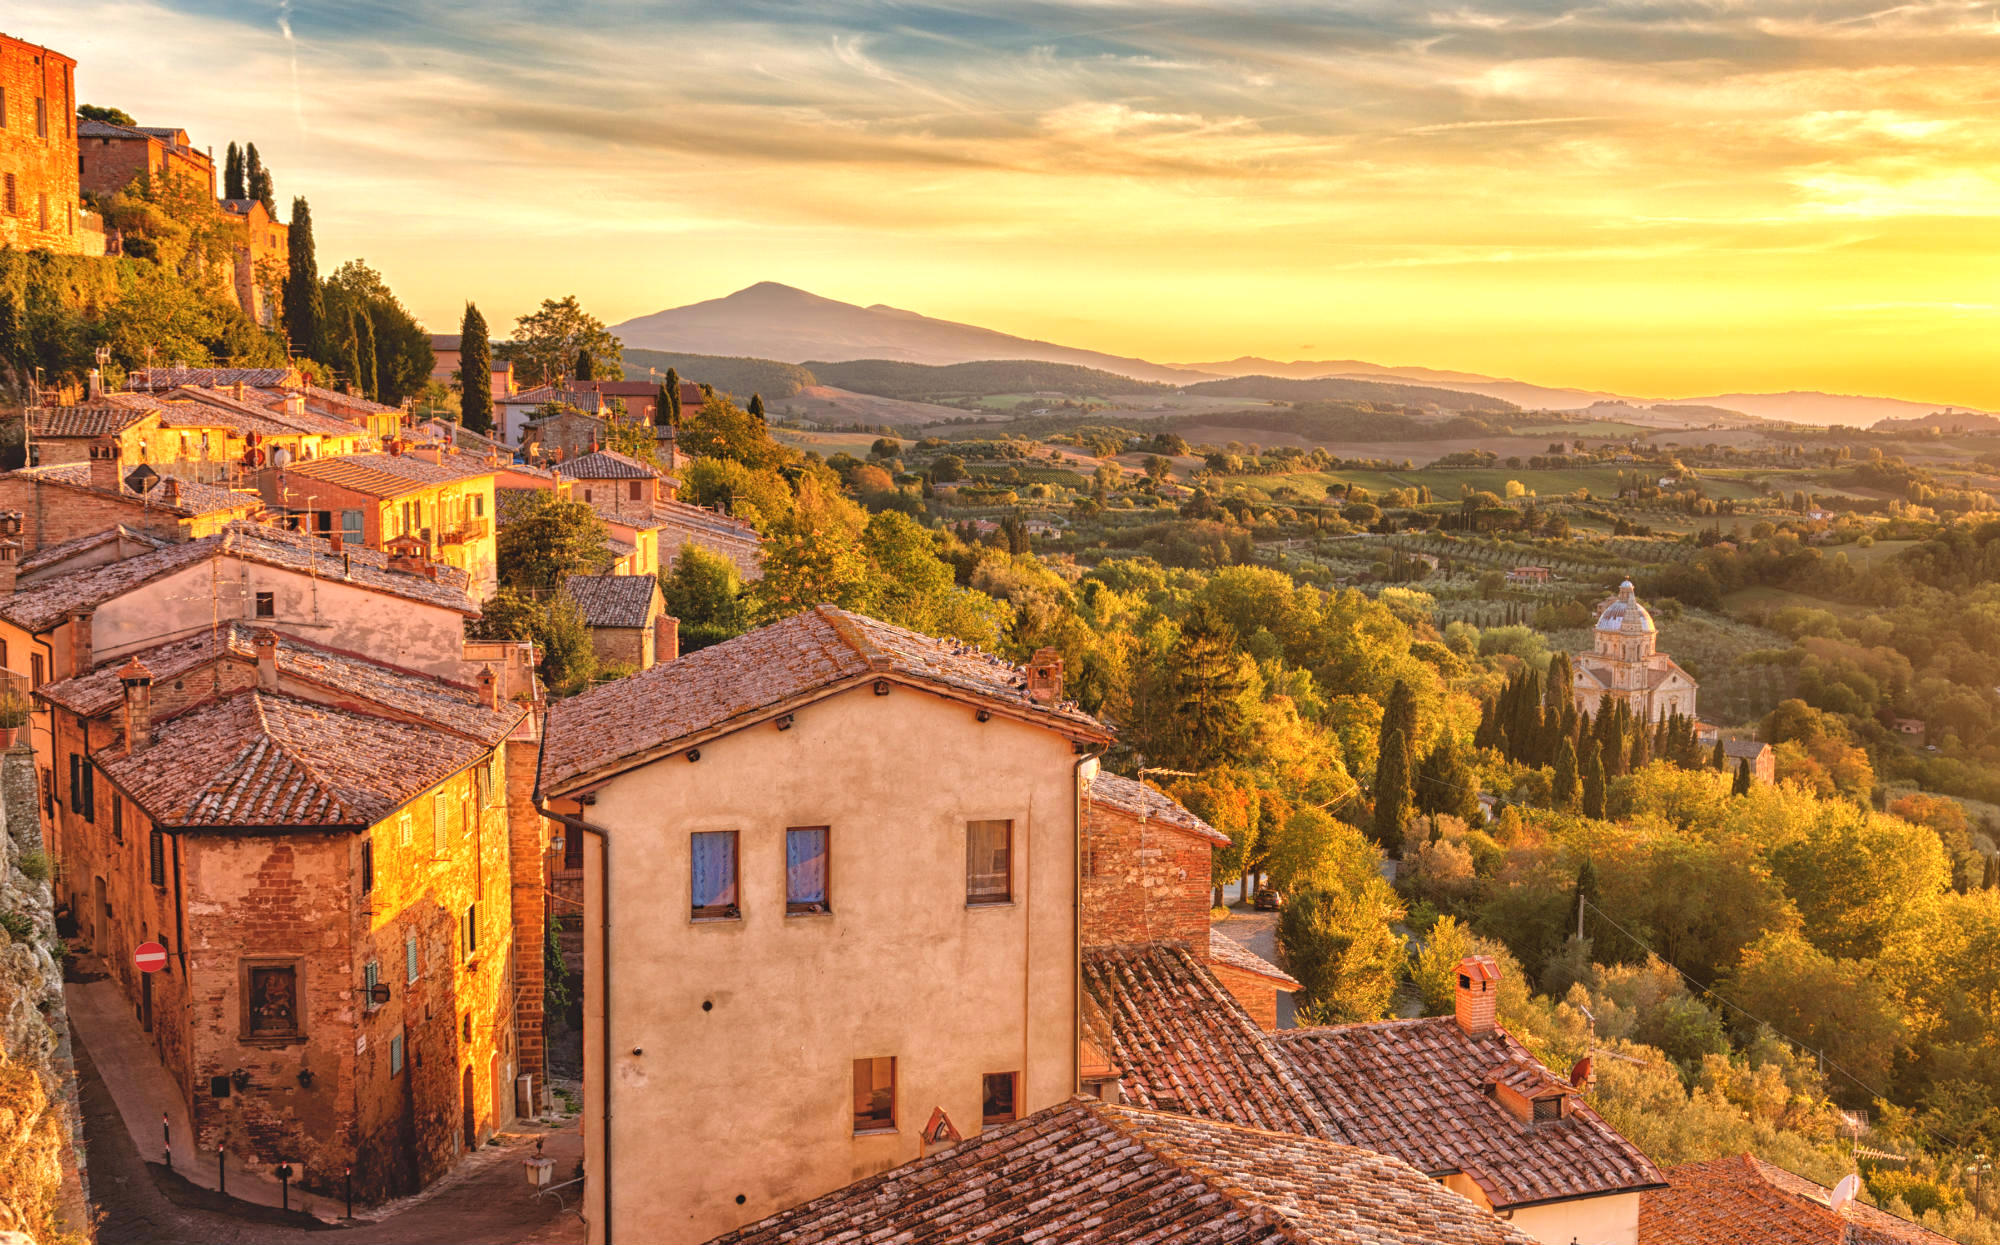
(1659, 197)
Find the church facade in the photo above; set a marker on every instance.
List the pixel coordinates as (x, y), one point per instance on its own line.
(1626, 665)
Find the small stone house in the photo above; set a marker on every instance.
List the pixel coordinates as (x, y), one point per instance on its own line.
(628, 619)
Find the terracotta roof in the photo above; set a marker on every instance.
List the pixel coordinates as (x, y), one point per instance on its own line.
(334, 397)
(1226, 950)
(42, 606)
(191, 497)
(1150, 803)
(1419, 1089)
(446, 341)
(1087, 1171)
(606, 465)
(262, 759)
(613, 600)
(450, 707)
(260, 410)
(96, 420)
(78, 544)
(1181, 1042)
(684, 514)
(1746, 749)
(390, 475)
(1742, 1200)
(541, 395)
(819, 650)
(174, 377)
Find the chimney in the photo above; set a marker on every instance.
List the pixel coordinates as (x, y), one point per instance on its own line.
(104, 465)
(489, 688)
(10, 562)
(1045, 676)
(236, 391)
(295, 404)
(666, 639)
(266, 645)
(430, 453)
(170, 491)
(79, 641)
(1478, 994)
(337, 542)
(138, 683)
(96, 383)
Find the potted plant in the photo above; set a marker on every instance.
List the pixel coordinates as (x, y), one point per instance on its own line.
(13, 716)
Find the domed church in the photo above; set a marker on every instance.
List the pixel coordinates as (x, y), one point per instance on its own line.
(1627, 666)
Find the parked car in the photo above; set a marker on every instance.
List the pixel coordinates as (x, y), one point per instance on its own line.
(1267, 900)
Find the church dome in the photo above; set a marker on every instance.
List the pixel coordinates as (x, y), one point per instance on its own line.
(1624, 613)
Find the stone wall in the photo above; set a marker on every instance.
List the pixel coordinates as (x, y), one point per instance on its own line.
(1143, 882)
(41, 1157)
(38, 159)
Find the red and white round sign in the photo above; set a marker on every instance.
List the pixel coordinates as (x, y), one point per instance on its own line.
(151, 957)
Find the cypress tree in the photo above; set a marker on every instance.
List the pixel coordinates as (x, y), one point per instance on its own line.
(1718, 760)
(1563, 789)
(232, 174)
(757, 407)
(257, 181)
(1742, 784)
(671, 411)
(1593, 787)
(1393, 763)
(1586, 889)
(663, 411)
(1992, 877)
(364, 352)
(475, 373)
(1642, 748)
(586, 367)
(305, 305)
(1444, 784)
(352, 364)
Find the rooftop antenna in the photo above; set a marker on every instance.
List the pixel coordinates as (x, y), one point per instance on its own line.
(1844, 1193)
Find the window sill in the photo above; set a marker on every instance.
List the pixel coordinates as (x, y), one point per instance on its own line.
(889, 1131)
(989, 903)
(271, 1040)
(714, 918)
(809, 910)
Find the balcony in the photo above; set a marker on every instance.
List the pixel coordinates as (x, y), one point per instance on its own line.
(468, 531)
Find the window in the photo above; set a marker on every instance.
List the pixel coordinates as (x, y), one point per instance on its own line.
(267, 605)
(351, 526)
(41, 116)
(411, 962)
(367, 865)
(371, 972)
(273, 1001)
(403, 829)
(998, 1094)
(13, 197)
(41, 211)
(467, 815)
(469, 932)
(440, 810)
(572, 849)
(875, 1095)
(396, 1055)
(3, 653)
(988, 862)
(117, 819)
(635, 491)
(37, 669)
(586, 495)
(479, 505)
(3, 107)
(1548, 1108)
(156, 856)
(712, 874)
(805, 869)
(82, 787)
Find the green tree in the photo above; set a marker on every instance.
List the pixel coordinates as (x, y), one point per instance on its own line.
(569, 659)
(363, 330)
(1393, 766)
(475, 366)
(1564, 790)
(721, 429)
(1204, 718)
(305, 305)
(756, 407)
(1445, 784)
(257, 183)
(1434, 968)
(232, 172)
(549, 344)
(111, 116)
(1593, 785)
(1343, 951)
(1836, 1006)
(670, 400)
(1740, 785)
(813, 556)
(704, 591)
(549, 539)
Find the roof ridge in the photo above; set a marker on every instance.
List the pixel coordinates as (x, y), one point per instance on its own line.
(1120, 1120)
(284, 749)
(850, 633)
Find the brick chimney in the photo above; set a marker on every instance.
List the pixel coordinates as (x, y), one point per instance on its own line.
(1478, 994)
(104, 464)
(430, 453)
(337, 542)
(170, 491)
(10, 565)
(96, 383)
(1045, 676)
(266, 645)
(666, 639)
(138, 683)
(79, 641)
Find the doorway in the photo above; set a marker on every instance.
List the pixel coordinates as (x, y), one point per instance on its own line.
(471, 1113)
(501, 1098)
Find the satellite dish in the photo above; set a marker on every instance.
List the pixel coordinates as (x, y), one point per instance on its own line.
(1844, 1192)
(1579, 1073)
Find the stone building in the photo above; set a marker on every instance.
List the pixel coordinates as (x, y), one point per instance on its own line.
(1626, 665)
(41, 202)
(111, 157)
(812, 941)
(81, 500)
(628, 619)
(438, 499)
(323, 846)
(259, 247)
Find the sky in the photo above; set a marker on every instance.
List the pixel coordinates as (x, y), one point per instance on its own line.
(1665, 198)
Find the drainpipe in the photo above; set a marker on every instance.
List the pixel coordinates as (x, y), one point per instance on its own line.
(577, 825)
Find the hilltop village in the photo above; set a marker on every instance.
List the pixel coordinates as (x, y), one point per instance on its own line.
(1002, 802)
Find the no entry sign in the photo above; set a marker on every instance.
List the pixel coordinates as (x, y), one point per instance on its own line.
(151, 957)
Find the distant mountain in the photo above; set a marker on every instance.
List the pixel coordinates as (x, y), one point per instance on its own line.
(942, 382)
(773, 321)
(739, 377)
(1348, 389)
(1812, 407)
(1947, 421)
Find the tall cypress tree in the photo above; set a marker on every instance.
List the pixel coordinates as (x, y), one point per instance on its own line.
(1593, 787)
(352, 363)
(1742, 784)
(257, 181)
(232, 174)
(305, 305)
(586, 367)
(475, 373)
(364, 353)
(1444, 784)
(1393, 763)
(672, 409)
(757, 407)
(1718, 759)
(1563, 789)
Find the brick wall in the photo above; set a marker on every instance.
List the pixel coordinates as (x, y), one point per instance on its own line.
(1142, 882)
(42, 167)
(528, 844)
(623, 646)
(53, 513)
(1258, 995)
(745, 551)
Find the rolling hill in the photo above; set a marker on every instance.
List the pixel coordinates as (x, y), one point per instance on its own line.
(927, 382)
(773, 321)
(1341, 388)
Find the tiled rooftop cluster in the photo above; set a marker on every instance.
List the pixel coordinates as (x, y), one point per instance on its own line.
(1742, 1200)
(1085, 1171)
(186, 496)
(612, 600)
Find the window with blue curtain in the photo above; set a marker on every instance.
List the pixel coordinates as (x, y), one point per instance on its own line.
(805, 869)
(712, 870)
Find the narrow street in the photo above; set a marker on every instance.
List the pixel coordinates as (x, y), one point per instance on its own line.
(486, 1201)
